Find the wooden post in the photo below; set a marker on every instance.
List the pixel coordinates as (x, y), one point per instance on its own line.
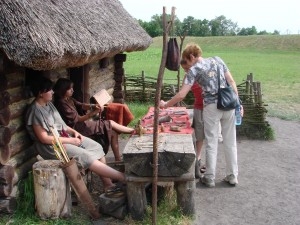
(259, 95)
(180, 50)
(255, 92)
(143, 86)
(166, 30)
(52, 190)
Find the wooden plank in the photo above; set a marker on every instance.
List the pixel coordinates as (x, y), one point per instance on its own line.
(183, 177)
(4, 154)
(20, 158)
(5, 136)
(6, 174)
(4, 99)
(5, 116)
(175, 155)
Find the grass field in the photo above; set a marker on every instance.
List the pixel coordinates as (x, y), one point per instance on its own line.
(273, 60)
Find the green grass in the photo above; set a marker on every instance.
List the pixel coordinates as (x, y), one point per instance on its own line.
(273, 60)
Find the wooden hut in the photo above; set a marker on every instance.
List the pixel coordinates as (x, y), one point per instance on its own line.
(79, 39)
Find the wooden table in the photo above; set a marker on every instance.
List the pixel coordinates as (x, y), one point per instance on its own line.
(176, 158)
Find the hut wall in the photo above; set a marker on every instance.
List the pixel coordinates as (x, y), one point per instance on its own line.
(102, 77)
(17, 154)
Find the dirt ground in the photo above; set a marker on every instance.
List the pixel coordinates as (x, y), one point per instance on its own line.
(269, 183)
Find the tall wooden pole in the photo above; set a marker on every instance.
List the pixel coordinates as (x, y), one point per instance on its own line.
(180, 50)
(166, 30)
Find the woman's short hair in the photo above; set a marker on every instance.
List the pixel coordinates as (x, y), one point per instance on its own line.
(41, 85)
(191, 49)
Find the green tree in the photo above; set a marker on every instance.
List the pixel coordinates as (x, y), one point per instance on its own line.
(220, 26)
(248, 31)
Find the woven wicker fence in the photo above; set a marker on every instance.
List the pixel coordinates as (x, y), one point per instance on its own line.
(254, 125)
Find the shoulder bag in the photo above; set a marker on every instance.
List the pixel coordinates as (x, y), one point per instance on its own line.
(227, 98)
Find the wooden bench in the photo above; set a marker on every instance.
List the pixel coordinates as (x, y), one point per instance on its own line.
(136, 195)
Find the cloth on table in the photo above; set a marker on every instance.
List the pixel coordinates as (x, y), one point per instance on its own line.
(179, 118)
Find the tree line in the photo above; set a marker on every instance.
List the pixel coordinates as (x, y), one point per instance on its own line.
(220, 26)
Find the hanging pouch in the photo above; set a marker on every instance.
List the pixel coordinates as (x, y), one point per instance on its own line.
(173, 55)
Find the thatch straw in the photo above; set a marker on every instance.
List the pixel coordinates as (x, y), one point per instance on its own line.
(47, 34)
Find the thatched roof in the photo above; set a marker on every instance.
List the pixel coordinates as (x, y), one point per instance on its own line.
(49, 34)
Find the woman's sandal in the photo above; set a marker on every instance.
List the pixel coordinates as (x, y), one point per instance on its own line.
(203, 169)
(114, 192)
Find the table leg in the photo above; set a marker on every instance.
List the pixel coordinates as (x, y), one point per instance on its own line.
(137, 201)
(185, 196)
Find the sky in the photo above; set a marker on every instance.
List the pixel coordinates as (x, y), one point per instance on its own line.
(268, 15)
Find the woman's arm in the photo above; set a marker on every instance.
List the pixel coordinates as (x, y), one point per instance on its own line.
(45, 138)
(177, 98)
(232, 83)
(74, 133)
(88, 115)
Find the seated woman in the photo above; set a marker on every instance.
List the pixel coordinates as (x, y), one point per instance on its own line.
(67, 107)
(42, 115)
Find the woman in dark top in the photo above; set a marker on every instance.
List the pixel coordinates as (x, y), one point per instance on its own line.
(42, 115)
(68, 108)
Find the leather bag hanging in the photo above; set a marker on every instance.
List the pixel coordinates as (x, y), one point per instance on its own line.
(227, 98)
(173, 55)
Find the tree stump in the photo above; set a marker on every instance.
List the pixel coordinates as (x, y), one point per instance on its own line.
(52, 190)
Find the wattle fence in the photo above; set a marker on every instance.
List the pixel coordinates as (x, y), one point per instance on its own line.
(254, 125)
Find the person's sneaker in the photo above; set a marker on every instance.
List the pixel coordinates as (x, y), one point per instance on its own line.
(197, 168)
(231, 179)
(208, 182)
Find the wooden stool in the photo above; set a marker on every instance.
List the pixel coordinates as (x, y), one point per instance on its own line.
(52, 190)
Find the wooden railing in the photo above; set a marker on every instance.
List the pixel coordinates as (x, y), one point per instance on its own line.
(254, 125)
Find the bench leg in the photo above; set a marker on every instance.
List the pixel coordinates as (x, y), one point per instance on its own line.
(137, 201)
(185, 196)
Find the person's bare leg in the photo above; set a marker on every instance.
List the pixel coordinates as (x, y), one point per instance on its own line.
(120, 128)
(106, 173)
(115, 145)
(198, 149)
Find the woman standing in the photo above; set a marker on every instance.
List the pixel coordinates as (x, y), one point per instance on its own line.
(42, 115)
(67, 107)
(197, 121)
(205, 71)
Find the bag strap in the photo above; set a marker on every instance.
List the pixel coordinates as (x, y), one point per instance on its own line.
(218, 72)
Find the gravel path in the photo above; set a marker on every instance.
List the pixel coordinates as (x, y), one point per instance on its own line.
(269, 183)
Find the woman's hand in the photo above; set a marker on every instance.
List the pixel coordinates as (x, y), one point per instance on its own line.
(162, 104)
(77, 135)
(97, 106)
(75, 141)
(242, 110)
